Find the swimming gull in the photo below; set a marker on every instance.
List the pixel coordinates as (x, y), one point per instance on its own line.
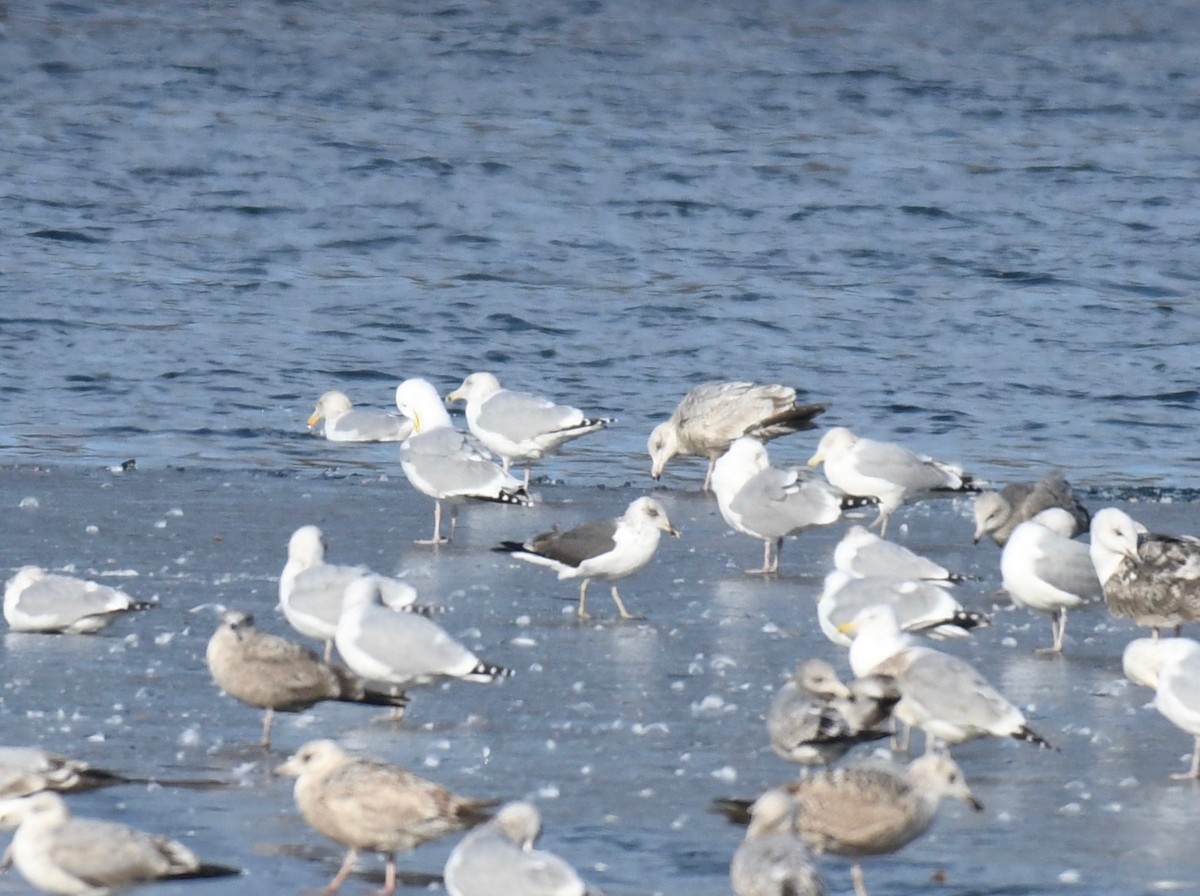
(26, 770)
(712, 415)
(923, 607)
(1045, 570)
(519, 426)
(814, 718)
(346, 423)
(602, 549)
(1152, 579)
(998, 513)
(498, 857)
(862, 553)
(311, 590)
(772, 860)
(768, 503)
(59, 853)
(941, 694)
(38, 601)
(362, 803)
(401, 649)
(1172, 667)
(446, 464)
(883, 470)
(275, 674)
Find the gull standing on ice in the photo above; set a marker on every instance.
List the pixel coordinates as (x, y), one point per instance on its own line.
(274, 674)
(767, 503)
(498, 858)
(1045, 570)
(1152, 579)
(446, 464)
(862, 554)
(519, 426)
(59, 853)
(602, 549)
(922, 607)
(38, 601)
(772, 860)
(1172, 667)
(346, 423)
(367, 804)
(712, 415)
(998, 513)
(883, 470)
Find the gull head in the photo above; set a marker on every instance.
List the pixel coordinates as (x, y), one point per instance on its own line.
(43, 809)
(835, 442)
(476, 387)
(818, 677)
(306, 547)
(519, 823)
(940, 775)
(331, 404)
(991, 510)
(1114, 538)
(771, 812)
(314, 757)
(652, 511)
(1145, 658)
(419, 401)
(662, 446)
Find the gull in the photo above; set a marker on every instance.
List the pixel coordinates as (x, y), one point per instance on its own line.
(498, 858)
(518, 426)
(362, 803)
(275, 674)
(1152, 579)
(772, 860)
(862, 554)
(27, 770)
(59, 853)
(764, 502)
(1171, 666)
(311, 590)
(39, 601)
(346, 423)
(883, 470)
(815, 718)
(401, 649)
(998, 513)
(923, 607)
(942, 695)
(1045, 570)
(445, 464)
(602, 549)
(712, 415)
(869, 808)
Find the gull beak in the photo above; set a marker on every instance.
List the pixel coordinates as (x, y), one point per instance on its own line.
(456, 395)
(847, 628)
(286, 768)
(314, 419)
(970, 800)
(815, 460)
(671, 530)
(416, 422)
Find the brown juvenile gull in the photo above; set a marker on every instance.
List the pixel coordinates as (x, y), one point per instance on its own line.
(58, 853)
(923, 607)
(499, 858)
(773, 860)
(1044, 569)
(275, 674)
(712, 415)
(39, 601)
(815, 719)
(26, 770)
(766, 502)
(1172, 667)
(311, 590)
(446, 464)
(519, 426)
(602, 549)
(885, 471)
(1152, 579)
(941, 694)
(862, 553)
(998, 513)
(367, 804)
(346, 423)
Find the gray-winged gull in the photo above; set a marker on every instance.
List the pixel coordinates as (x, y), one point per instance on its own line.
(815, 718)
(772, 860)
(998, 513)
(26, 770)
(602, 549)
(1152, 579)
(499, 858)
(923, 607)
(445, 464)
(883, 470)
(366, 804)
(712, 415)
(1043, 569)
(766, 502)
(75, 856)
(863, 554)
(275, 674)
(346, 423)
(519, 426)
(1172, 667)
(38, 601)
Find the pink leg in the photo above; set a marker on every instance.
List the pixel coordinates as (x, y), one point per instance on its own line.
(343, 872)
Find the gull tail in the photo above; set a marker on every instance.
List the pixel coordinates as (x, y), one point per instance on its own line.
(516, 495)
(795, 419)
(851, 502)
(143, 605)
(509, 547)
(486, 672)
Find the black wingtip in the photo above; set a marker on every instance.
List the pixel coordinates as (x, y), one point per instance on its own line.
(508, 547)
(735, 810)
(1030, 736)
(852, 502)
(207, 869)
(489, 672)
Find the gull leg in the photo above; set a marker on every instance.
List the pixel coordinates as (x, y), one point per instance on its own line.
(582, 613)
(453, 522)
(437, 526)
(778, 554)
(1058, 628)
(712, 462)
(766, 567)
(528, 468)
(328, 651)
(625, 614)
(268, 718)
(343, 872)
(1193, 773)
(389, 877)
(856, 875)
